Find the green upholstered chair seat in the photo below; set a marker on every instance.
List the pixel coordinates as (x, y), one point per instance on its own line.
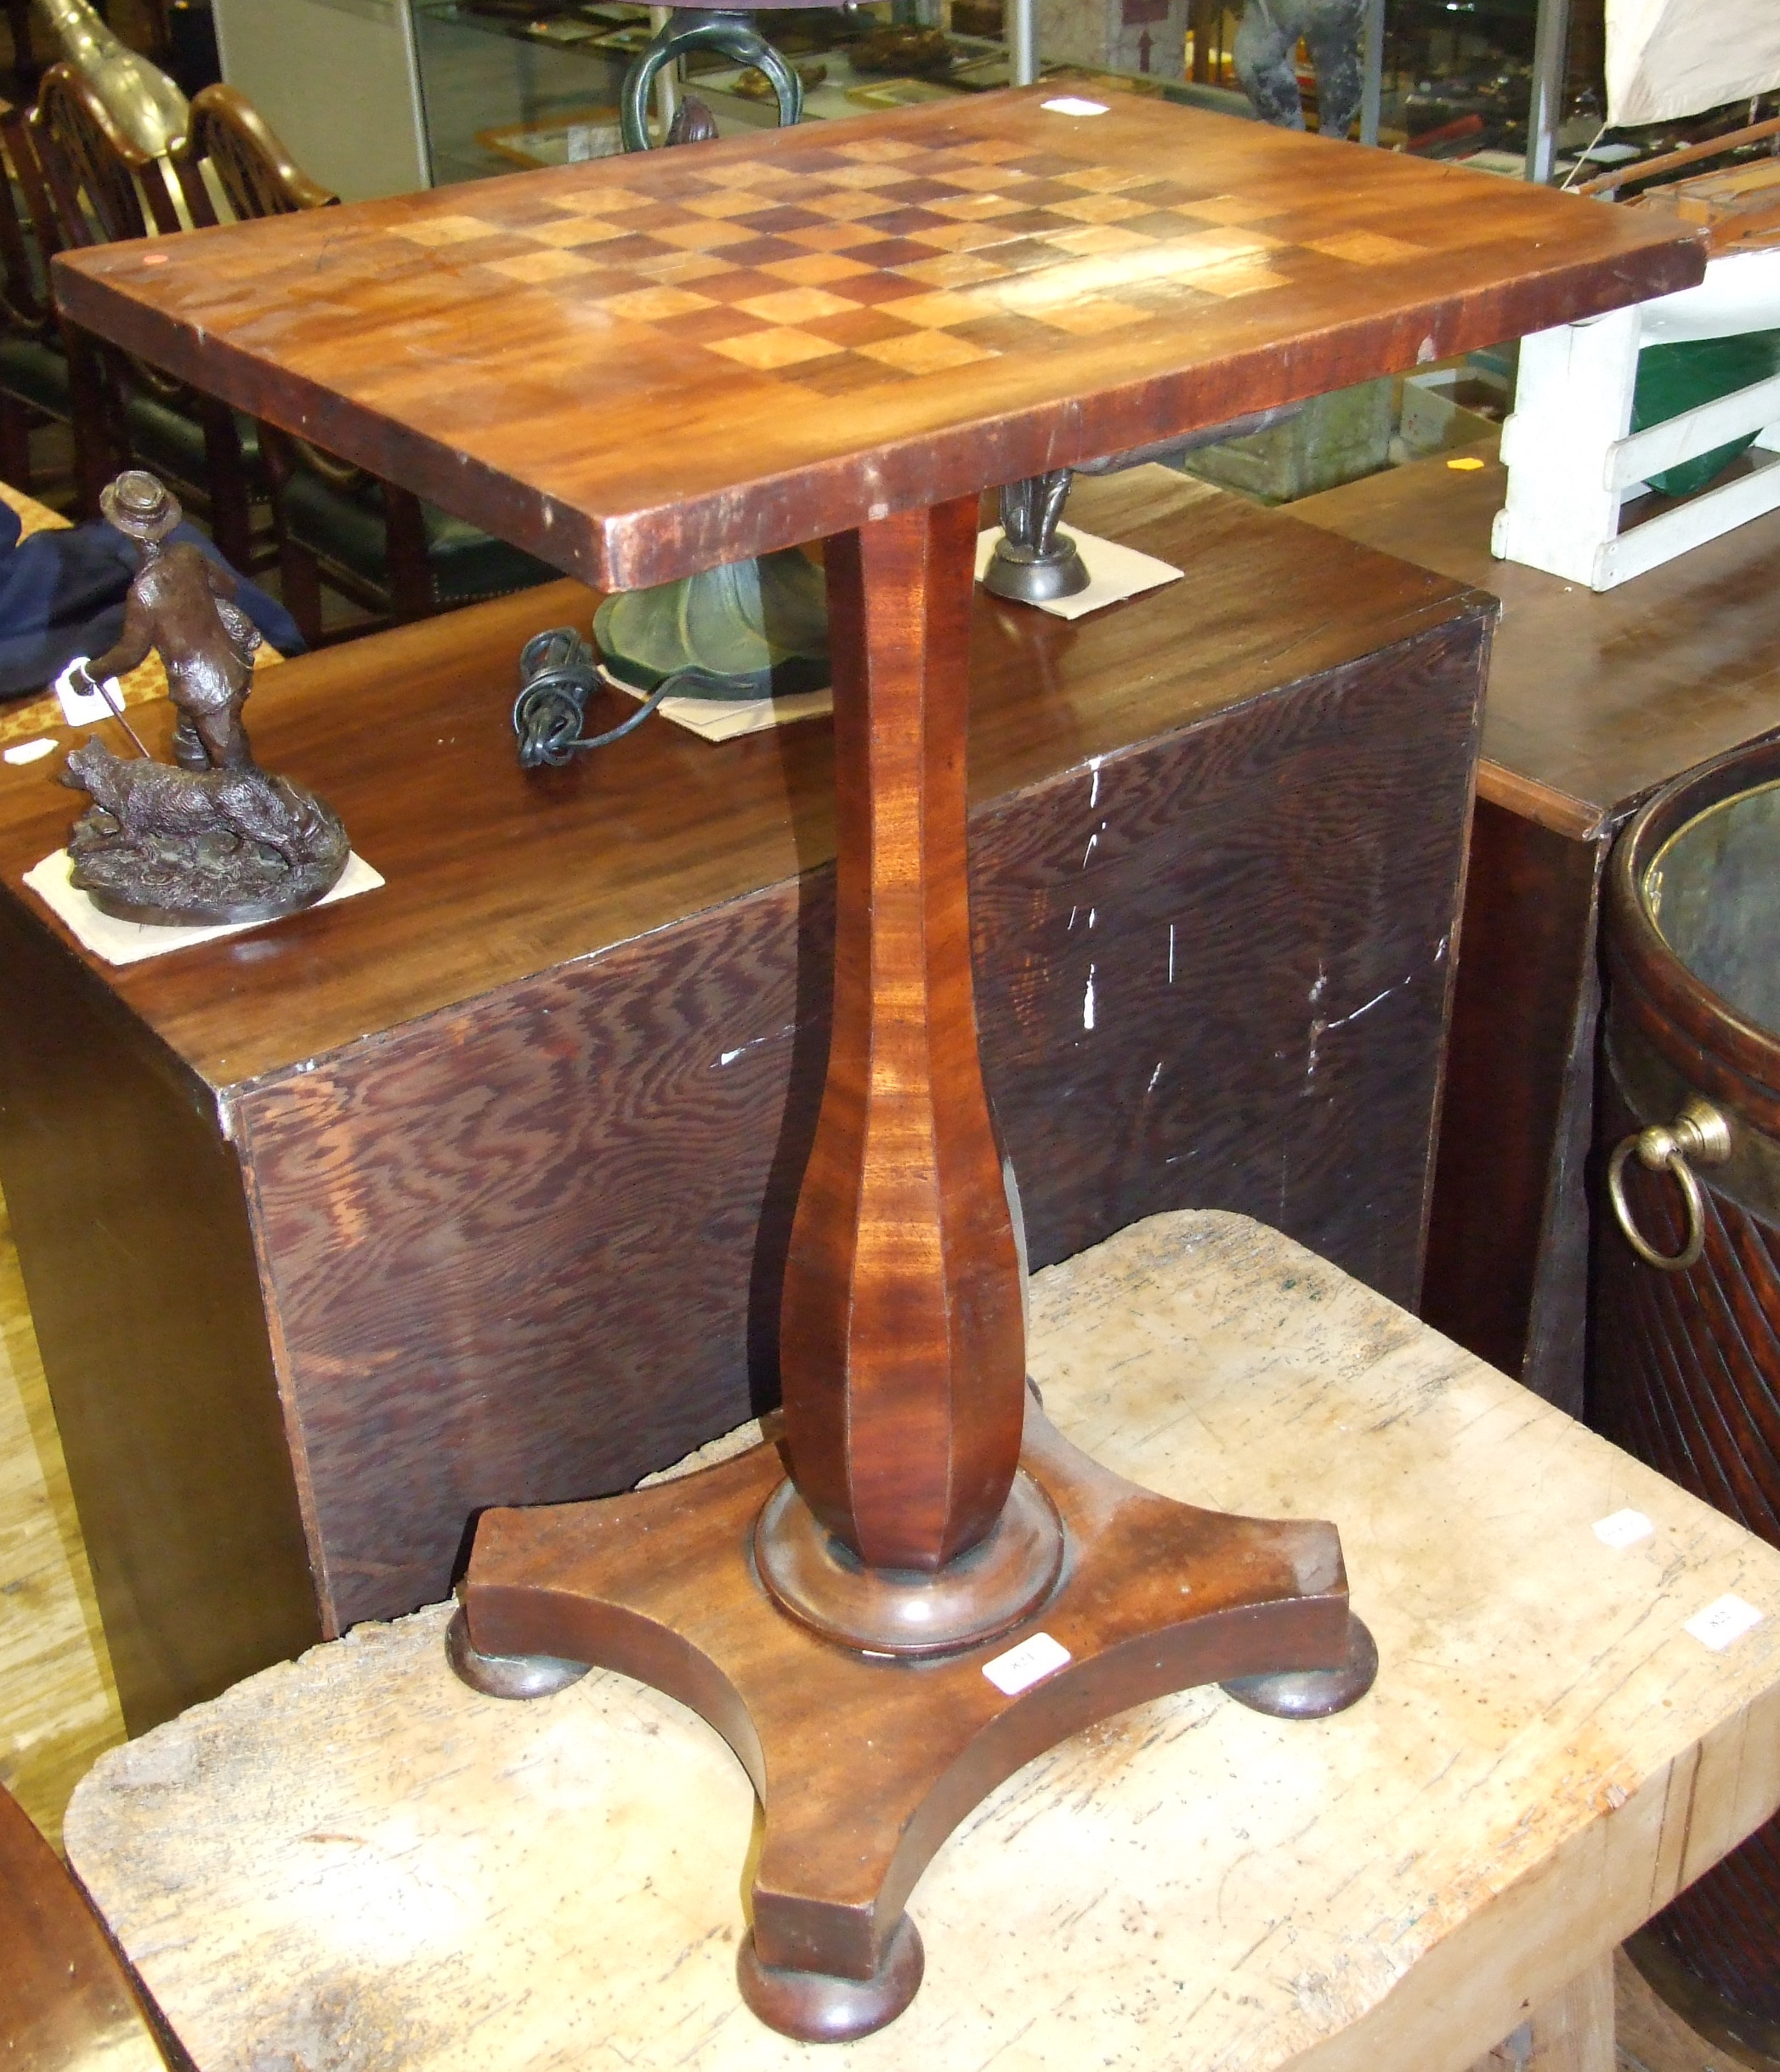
(345, 528)
(36, 374)
(163, 438)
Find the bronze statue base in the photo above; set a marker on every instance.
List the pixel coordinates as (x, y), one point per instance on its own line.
(199, 848)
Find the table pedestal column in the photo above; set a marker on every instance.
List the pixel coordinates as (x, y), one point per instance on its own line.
(942, 1587)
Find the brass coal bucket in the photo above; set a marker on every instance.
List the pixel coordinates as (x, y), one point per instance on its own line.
(1684, 1358)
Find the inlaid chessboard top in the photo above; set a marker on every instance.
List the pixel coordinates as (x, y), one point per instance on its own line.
(643, 365)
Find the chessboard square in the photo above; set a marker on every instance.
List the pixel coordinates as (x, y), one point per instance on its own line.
(928, 352)
(832, 236)
(1091, 316)
(535, 267)
(704, 327)
(844, 374)
(1100, 208)
(1218, 247)
(1032, 223)
(951, 269)
(966, 236)
(761, 251)
(1239, 277)
(988, 152)
(862, 326)
(985, 179)
(701, 235)
(795, 305)
(1367, 248)
(768, 350)
(1102, 180)
(974, 208)
(576, 230)
(869, 289)
(1232, 209)
(814, 268)
(646, 305)
(720, 205)
(1003, 331)
(599, 200)
(1100, 238)
(908, 222)
(1163, 223)
(762, 176)
(681, 266)
(884, 149)
(437, 231)
(783, 218)
(888, 252)
(934, 312)
(845, 206)
(1026, 255)
(924, 191)
(866, 175)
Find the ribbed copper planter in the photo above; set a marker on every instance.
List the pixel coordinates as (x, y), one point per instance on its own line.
(1686, 1357)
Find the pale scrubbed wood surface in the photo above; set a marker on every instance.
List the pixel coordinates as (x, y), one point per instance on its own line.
(354, 1862)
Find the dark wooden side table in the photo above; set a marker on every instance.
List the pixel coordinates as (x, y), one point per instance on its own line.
(1594, 702)
(940, 1586)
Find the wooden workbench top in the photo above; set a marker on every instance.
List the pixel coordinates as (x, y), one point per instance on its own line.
(353, 1860)
(1594, 701)
(640, 367)
(494, 874)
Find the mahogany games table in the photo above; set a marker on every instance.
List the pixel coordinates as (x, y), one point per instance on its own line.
(639, 368)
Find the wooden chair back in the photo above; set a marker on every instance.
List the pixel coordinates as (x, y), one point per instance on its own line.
(24, 306)
(102, 188)
(255, 173)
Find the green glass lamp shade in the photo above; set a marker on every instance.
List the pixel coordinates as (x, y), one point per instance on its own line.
(750, 629)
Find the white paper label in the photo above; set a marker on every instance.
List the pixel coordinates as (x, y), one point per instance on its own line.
(1721, 1622)
(85, 708)
(31, 752)
(1068, 105)
(1037, 1657)
(1622, 1529)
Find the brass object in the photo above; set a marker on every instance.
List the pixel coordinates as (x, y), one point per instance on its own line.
(1698, 1134)
(901, 52)
(754, 85)
(1034, 563)
(213, 838)
(140, 98)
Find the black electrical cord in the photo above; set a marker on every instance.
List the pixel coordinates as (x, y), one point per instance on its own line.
(558, 677)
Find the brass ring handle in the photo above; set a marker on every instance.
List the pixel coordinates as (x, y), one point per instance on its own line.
(1698, 1134)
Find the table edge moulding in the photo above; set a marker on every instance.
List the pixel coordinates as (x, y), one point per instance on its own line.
(944, 1587)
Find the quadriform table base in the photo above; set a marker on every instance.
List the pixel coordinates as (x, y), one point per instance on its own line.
(844, 1631)
(863, 1763)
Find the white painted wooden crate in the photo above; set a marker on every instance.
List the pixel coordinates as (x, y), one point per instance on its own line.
(1574, 461)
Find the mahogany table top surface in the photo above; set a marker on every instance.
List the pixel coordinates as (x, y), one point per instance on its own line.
(642, 366)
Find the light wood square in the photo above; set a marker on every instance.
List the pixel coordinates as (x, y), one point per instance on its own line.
(1229, 208)
(865, 175)
(796, 305)
(431, 231)
(702, 236)
(844, 206)
(818, 267)
(770, 176)
(680, 266)
(1101, 237)
(730, 204)
(933, 312)
(1104, 179)
(986, 179)
(959, 237)
(538, 266)
(951, 269)
(883, 148)
(601, 200)
(1099, 208)
(768, 350)
(1217, 247)
(1239, 277)
(972, 208)
(1367, 248)
(576, 230)
(1089, 318)
(926, 352)
(649, 305)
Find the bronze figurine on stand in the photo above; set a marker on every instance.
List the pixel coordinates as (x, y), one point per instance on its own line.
(217, 839)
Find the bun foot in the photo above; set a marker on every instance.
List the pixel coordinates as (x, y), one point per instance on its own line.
(506, 1676)
(1313, 1693)
(818, 2007)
